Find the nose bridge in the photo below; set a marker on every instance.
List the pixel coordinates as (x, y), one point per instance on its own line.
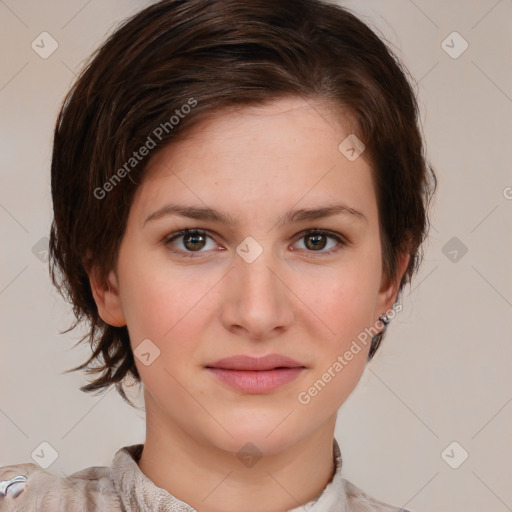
(253, 267)
(259, 301)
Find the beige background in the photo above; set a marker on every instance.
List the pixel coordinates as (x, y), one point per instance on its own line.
(443, 373)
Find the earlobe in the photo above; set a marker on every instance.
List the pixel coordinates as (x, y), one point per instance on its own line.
(107, 299)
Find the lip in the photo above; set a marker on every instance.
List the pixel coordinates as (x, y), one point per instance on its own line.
(256, 374)
(268, 362)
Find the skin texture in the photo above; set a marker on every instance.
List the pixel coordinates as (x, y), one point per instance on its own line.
(255, 163)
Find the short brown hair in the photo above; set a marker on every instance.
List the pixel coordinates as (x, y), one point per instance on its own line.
(212, 54)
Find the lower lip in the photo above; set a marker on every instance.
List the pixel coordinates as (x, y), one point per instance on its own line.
(263, 381)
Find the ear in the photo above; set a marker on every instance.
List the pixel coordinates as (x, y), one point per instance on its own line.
(108, 301)
(389, 288)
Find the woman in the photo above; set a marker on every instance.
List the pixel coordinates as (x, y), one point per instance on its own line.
(240, 195)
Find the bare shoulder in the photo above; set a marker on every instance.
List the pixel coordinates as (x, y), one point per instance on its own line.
(30, 488)
(360, 501)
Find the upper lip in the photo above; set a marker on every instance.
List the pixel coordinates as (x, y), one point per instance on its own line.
(268, 362)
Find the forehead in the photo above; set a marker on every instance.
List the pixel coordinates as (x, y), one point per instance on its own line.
(240, 128)
(259, 157)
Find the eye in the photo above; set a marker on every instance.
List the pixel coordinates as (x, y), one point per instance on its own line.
(315, 240)
(193, 240)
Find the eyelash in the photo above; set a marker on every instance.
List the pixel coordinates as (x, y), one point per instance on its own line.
(194, 254)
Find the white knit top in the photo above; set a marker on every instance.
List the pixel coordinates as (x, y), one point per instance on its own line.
(123, 487)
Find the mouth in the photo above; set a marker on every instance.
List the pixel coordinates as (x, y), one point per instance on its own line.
(250, 363)
(256, 375)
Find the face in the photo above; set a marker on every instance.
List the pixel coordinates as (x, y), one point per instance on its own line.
(268, 282)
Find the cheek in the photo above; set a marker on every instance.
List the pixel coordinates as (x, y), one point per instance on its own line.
(168, 317)
(154, 310)
(162, 303)
(345, 309)
(345, 299)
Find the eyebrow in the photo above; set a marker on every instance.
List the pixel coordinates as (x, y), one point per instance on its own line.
(298, 215)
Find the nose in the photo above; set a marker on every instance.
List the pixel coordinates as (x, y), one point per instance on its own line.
(257, 301)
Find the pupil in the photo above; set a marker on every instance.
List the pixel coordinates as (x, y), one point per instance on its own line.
(317, 244)
(194, 237)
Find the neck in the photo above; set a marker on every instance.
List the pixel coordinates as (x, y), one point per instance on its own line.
(211, 479)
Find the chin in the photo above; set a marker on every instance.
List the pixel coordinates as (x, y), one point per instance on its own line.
(267, 436)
